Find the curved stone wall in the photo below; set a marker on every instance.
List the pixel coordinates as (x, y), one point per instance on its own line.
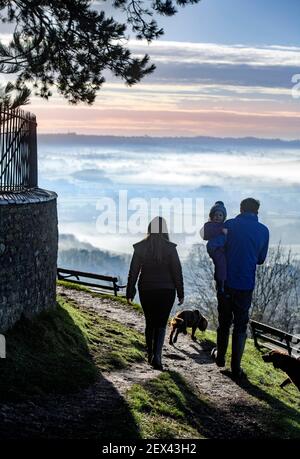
(28, 254)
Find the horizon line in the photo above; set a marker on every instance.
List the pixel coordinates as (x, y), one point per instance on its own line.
(146, 136)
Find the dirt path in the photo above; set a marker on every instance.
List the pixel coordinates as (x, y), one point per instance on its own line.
(229, 411)
(234, 411)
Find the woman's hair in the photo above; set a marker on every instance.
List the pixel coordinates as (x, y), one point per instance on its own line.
(156, 235)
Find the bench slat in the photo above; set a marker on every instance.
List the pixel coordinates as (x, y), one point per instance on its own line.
(274, 331)
(291, 341)
(67, 274)
(288, 341)
(85, 274)
(276, 342)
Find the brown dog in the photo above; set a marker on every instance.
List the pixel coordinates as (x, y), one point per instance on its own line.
(290, 365)
(185, 319)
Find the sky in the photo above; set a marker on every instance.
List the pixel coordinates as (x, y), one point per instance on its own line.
(224, 68)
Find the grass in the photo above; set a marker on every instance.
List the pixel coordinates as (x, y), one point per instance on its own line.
(281, 406)
(120, 299)
(166, 407)
(283, 414)
(63, 350)
(67, 348)
(261, 374)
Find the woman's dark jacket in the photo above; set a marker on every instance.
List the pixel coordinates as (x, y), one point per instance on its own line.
(153, 275)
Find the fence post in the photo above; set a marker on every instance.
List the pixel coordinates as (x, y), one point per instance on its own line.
(33, 163)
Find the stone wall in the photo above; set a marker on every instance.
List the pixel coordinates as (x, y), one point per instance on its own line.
(28, 255)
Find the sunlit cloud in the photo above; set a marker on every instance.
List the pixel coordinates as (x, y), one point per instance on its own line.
(201, 88)
(218, 54)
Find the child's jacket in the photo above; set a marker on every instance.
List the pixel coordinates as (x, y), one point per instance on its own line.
(212, 232)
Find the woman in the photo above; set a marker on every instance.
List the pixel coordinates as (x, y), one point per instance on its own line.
(155, 258)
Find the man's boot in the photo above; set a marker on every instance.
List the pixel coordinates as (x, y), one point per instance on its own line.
(159, 337)
(218, 353)
(238, 345)
(149, 336)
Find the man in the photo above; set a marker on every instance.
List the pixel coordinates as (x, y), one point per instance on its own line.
(246, 246)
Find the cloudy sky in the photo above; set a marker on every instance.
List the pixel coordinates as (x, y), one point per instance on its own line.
(224, 68)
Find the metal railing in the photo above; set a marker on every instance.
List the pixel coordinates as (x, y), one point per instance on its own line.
(18, 150)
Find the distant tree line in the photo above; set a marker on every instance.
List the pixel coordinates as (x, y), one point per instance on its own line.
(95, 261)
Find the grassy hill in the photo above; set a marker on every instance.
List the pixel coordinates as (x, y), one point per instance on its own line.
(63, 350)
(170, 398)
(66, 349)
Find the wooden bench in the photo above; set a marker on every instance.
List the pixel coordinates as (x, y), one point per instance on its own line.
(273, 338)
(69, 274)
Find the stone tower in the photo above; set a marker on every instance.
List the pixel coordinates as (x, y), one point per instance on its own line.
(28, 224)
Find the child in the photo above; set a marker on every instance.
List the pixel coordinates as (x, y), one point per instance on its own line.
(214, 232)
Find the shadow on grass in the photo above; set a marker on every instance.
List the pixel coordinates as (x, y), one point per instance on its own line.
(50, 386)
(279, 419)
(282, 419)
(169, 408)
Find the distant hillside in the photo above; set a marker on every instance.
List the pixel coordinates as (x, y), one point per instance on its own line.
(198, 141)
(82, 256)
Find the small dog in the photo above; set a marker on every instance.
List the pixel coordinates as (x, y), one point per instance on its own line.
(290, 365)
(185, 319)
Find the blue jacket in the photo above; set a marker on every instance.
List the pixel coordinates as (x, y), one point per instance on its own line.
(246, 246)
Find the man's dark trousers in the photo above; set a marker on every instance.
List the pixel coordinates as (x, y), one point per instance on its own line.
(233, 308)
